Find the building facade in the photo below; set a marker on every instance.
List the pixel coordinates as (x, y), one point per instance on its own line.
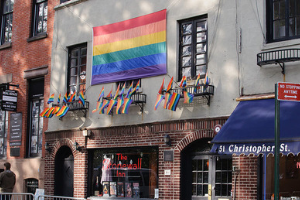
(111, 137)
(25, 51)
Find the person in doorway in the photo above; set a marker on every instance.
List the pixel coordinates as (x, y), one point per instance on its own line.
(7, 182)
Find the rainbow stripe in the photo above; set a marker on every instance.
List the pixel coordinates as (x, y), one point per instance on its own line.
(117, 92)
(174, 101)
(119, 105)
(135, 89)
(109, 94)
(99, 104)
(126, 105)
(167, 100)
(69, 96)
(162, 87)
(131, 49)
(188, 97)
(129, 90)
(170, 85)
(65, 100)
(58, 100)
(183, 82)
(81, 98)
(72, 97)
(56, 110)
(63, 111)
(111, 105)
(50, 113)
(103, 106)
(159, 98)
(43, 114)
(51, 99)
(101, 94)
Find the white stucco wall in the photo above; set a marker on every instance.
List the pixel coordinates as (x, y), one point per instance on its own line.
(236, 32)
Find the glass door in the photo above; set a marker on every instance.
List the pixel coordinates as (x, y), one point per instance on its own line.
(211, 177)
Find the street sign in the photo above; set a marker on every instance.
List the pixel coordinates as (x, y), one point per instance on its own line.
(288, 92)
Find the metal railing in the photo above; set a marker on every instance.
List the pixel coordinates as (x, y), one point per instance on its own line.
(30, 196)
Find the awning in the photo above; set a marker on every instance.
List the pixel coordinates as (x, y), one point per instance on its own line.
(251, 129)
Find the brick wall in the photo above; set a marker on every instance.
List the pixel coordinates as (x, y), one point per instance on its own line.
(23, 55)
(246, 179)
(181, 133)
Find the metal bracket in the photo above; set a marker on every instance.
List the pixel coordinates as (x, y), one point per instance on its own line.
(281, 64)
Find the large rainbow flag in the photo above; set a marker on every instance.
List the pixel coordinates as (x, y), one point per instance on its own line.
(131, 49)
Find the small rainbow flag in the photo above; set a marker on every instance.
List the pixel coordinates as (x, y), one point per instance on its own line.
(123, 89)
(69, 96)
(117, 92)
(72, 97)
(101, 94)
(129, 90)
(170, 85)
(65, 99)
(197, 84)
(167, 100)
(162, 87)
(58, 100)
(63, 111)
(56, 109)
(174, 101)
(111, 105)
(126, 105)
(119, 105)
(109, 94)
(42, 114)
(50, 113)
(103, 106)
(81, 98)
(135, 89)
(183, 82)
(99, 104)
(159, 98)
(206, 80)
(51, 99)
(188, 97)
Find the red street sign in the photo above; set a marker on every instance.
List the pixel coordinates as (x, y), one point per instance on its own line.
(288, 92)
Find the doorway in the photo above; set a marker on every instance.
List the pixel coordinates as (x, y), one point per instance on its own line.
(64, 172)
(205, 176)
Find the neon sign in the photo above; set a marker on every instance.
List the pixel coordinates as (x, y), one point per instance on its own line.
(107, 165)
(298, 165)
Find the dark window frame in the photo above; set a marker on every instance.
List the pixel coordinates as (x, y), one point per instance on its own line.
(193, 45)
(4, 127)
(63, 1)
(78, 67)
(36, 93)
(286, 18)
(36, 19)
(6, 14)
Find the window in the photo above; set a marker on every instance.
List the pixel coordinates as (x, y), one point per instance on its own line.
(283, 19)
(124, 172)
(3, 132)
(77, 69)
(40, 13)
(289, 177)
(36, 106)
(193, 48)
(6, 20)
(128, 83)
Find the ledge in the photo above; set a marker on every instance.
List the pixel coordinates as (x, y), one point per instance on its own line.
(67, 4)
(256, 97)
(6, 45)
(37, 37)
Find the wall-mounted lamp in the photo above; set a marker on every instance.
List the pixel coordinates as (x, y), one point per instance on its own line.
(86, 133)
(77, 147)
(167, 140)
(47, 147)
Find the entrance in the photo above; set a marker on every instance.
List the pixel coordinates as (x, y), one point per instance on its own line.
(64, 172)
(205, 176)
